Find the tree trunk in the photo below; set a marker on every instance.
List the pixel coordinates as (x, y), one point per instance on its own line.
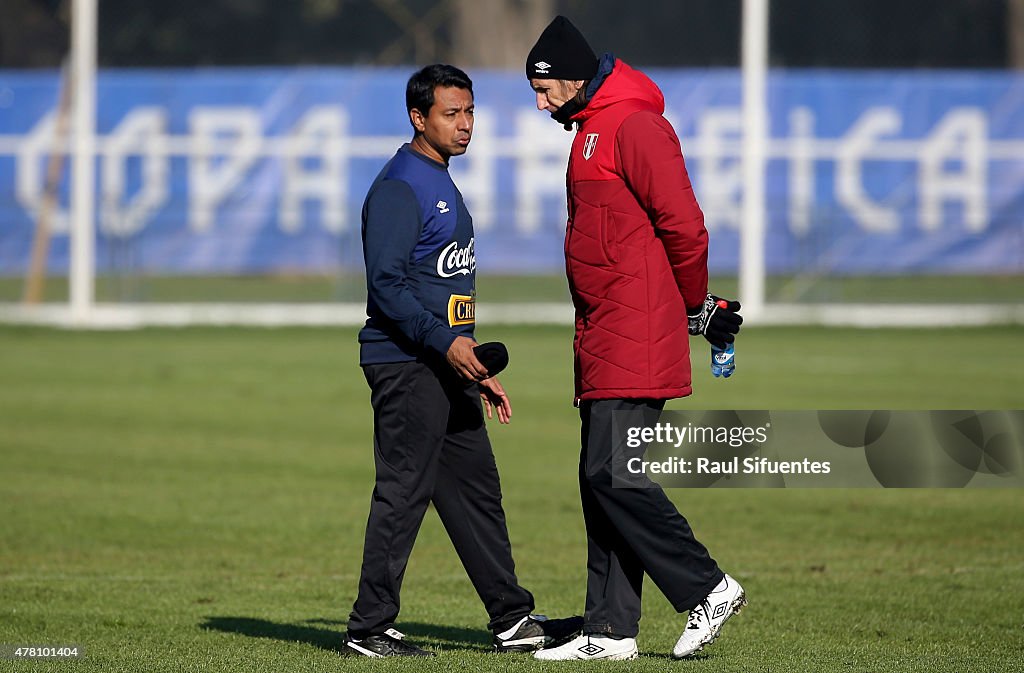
(1015, 34)
(498, 33)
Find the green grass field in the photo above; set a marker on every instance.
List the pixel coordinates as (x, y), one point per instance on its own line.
(194, 500)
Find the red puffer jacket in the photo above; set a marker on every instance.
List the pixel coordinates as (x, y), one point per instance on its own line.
(635, 245)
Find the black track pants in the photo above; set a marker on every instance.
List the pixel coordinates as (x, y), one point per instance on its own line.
(430, 444)
(631, 531)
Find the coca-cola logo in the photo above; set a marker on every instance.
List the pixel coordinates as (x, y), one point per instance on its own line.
(456, 261)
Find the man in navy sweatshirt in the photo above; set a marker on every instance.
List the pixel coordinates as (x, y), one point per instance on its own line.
(416, 350)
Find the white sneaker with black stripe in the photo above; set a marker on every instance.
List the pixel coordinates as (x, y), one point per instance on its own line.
(533, 632)
(591, 648)
(706, 620)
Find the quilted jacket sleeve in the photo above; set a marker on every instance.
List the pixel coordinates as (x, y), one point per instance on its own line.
(652, 165)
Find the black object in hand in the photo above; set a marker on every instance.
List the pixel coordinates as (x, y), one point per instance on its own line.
(717, 319)
(492, 355)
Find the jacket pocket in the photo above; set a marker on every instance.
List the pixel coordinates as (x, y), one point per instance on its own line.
(591, 236)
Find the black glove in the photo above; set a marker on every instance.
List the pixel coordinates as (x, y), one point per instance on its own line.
(717, 320)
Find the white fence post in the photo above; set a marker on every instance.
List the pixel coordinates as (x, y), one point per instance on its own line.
(82, 272)
(755, 141)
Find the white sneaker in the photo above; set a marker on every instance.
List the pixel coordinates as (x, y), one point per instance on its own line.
(591, 648)
(706, 619)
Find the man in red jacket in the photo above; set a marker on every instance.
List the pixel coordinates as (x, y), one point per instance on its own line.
(636, 260)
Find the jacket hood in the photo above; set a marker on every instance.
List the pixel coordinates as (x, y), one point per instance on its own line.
(621, 84)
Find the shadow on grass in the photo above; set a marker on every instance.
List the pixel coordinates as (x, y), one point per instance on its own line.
(449, 637)
(325, 639)
(444, 637)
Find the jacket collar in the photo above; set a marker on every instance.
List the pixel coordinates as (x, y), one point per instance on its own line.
(620, 84)
(566, 114)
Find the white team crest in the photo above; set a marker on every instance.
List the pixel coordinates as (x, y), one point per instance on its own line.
(589, 145)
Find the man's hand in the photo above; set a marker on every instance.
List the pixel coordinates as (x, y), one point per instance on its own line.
(494, 395)
(463, 360)
(717, 320)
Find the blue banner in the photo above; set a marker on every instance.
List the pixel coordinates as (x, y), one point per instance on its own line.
(226, 171)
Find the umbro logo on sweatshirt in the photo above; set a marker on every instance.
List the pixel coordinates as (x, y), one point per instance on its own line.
(442, 207)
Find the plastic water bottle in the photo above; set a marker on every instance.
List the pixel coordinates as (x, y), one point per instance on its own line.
(723, 360)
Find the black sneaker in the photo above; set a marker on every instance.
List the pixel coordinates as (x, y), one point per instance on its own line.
(391, 643)
(533, 632)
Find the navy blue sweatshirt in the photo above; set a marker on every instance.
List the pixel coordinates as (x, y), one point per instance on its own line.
(420, 262)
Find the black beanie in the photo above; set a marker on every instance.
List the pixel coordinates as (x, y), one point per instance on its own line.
(561, 52)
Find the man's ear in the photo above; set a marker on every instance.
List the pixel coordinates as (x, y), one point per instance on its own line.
(419, 122)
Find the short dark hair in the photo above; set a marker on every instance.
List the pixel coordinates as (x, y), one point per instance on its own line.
(419, 92)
